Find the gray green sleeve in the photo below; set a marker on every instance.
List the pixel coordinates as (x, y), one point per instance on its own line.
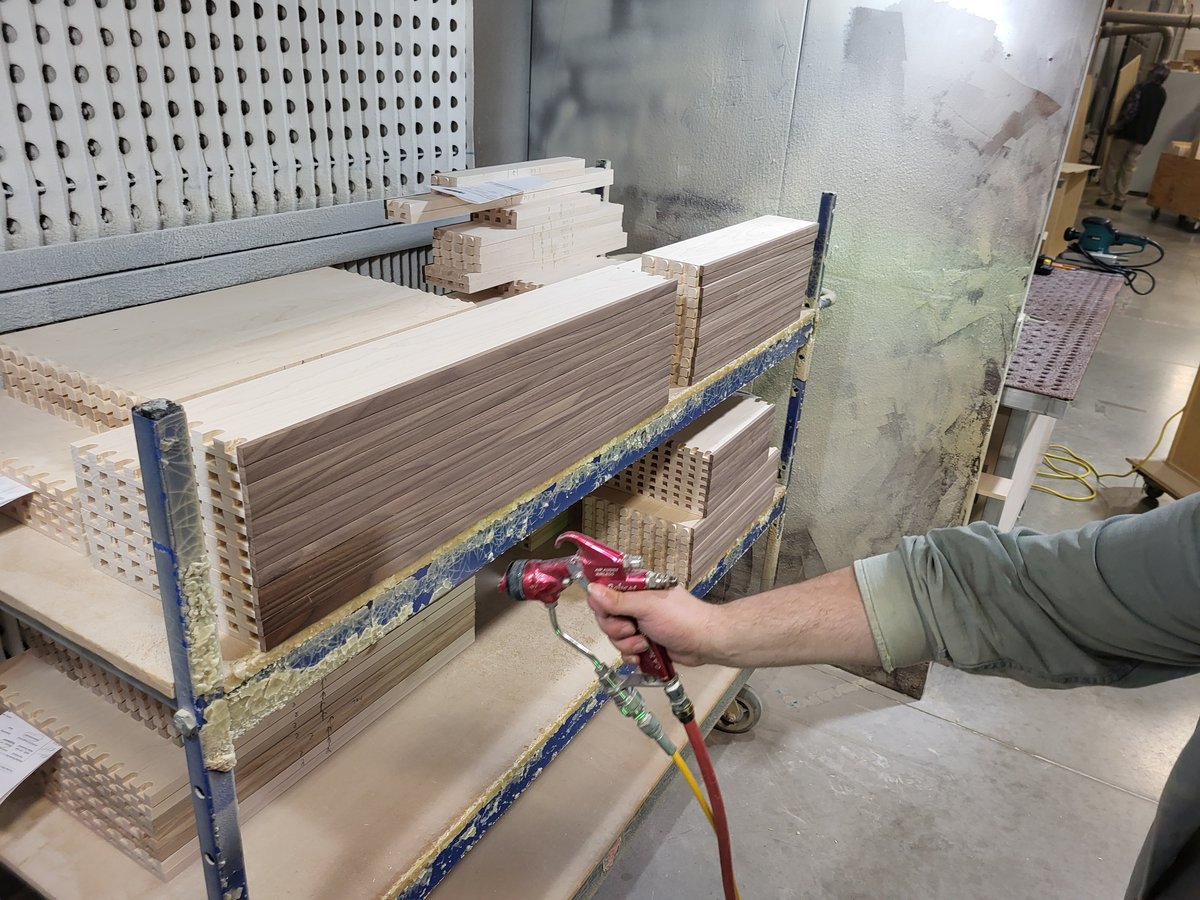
(1114, 602)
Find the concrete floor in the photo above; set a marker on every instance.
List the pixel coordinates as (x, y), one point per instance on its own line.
(983, 788)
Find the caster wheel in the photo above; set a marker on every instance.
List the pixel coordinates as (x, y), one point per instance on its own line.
(1154, 214)
(742, 714)
(1153, 491)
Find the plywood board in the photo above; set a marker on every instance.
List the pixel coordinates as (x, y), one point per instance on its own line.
(1079, 124)
(1176, 185)
(361, 843)
(44, 581)
(130, 783)
(1126, 79)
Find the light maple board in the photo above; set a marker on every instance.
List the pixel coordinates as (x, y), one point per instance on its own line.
(47, 583)
(96, 368)
(346, 471)
(431, 207)
(35, 451)
(135, 703)
(537, 212)
(131, 784)
(557, 166)
(724, 249)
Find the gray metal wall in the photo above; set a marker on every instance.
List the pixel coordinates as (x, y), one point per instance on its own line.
(940, 125)
(152, 149)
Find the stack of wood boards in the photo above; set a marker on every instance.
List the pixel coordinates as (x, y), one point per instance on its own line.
(92, 371)
(535, 243)
(134, 702)
(566, 176)
(89, 372)
(738, 286)
(35, 450)
(115, 523)
(688, 500)
(331, 477)
(130, 783)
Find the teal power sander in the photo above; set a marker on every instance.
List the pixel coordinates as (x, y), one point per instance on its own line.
(1098, 237)
(1097, 246)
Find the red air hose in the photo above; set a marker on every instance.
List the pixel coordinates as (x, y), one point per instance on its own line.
(720, 821)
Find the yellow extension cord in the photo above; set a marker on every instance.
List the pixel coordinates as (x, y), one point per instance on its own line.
(677, 758)
(1068, 456)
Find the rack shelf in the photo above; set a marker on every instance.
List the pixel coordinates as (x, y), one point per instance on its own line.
(356, 846)
(222, 689)
(518, 691)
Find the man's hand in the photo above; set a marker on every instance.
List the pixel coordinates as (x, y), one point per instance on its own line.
(675, 619)
(816, 621)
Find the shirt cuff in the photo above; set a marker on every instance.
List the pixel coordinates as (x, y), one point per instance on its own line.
(892, 610)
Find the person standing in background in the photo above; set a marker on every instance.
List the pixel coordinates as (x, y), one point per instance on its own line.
(1134, 127)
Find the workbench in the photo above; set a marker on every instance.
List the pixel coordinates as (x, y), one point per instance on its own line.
(475, 736)
(1064, 320)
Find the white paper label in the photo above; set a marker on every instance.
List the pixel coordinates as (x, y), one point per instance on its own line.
(22, 749)
(493, 190)
(12, 490)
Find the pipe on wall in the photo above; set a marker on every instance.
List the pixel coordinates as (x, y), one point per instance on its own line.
(1171, 20)
(1166, 33)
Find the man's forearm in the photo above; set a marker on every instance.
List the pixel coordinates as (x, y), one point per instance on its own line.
(817, 621)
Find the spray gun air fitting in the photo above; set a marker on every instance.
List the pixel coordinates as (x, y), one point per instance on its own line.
(545, 580)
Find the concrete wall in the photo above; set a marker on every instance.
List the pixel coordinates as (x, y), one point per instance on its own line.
(940, 125)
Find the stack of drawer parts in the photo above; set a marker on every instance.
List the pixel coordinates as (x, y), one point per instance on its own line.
(554, 232)
(683, 505)
(319, 481)
(126, 777)
(348, 430)
(737, 287)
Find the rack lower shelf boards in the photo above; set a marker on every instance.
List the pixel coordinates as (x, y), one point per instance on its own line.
(62, 858)
(410, 795)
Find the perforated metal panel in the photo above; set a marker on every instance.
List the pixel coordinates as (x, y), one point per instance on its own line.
(126, 116)
(406, 267)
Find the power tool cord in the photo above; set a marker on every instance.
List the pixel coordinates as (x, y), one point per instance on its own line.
(1072, 458)
(1129, 271)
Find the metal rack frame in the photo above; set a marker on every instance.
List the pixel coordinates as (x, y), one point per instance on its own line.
(205, 693)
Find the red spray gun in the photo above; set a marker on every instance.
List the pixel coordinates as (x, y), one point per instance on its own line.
(546, 579)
